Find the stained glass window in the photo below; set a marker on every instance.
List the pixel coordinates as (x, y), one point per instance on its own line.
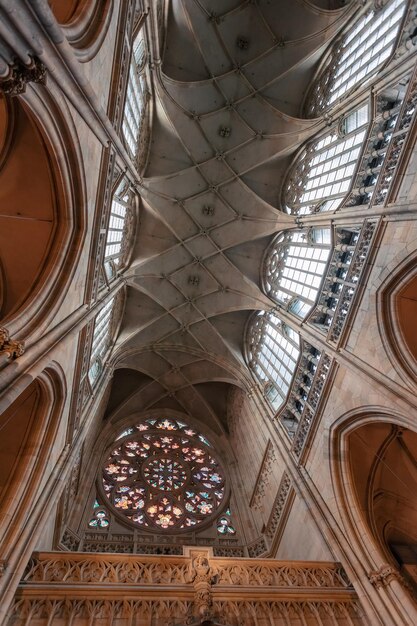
(164, 476)
(359, 54)
(136, 95)
(273, 352)
(100, 517)
(224, 524)
(322, 174)
(295, 266)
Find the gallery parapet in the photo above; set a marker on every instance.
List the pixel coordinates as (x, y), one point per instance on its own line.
(342, 278)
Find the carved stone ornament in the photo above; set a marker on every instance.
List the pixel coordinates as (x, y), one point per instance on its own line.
(384, 576)
(202, 577)
(10, 348)
(20, 75)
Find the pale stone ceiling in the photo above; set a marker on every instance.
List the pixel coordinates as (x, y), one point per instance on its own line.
(211, 203)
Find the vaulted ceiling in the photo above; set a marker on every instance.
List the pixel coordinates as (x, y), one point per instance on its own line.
(228, 83)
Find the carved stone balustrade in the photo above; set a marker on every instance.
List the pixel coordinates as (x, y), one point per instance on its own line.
(337, 293)
(196, 588)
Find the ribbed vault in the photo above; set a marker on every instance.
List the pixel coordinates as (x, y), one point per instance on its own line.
(228, 84)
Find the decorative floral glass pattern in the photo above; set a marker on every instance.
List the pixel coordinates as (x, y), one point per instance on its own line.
(163, 476)
(100, 519)
(224, 524)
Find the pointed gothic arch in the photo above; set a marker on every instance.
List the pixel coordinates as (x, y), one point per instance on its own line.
(369, 477)
(397, 312)
(84, 22)
(44, 213)
(29, 431)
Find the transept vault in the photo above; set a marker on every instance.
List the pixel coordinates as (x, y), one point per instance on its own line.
(207, 296)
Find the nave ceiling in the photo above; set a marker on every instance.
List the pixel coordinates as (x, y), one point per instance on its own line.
(228, 83)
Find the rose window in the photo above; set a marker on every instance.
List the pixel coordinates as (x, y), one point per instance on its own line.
(163, 475)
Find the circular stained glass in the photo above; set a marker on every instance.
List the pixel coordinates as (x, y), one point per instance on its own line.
(165, 473)
(163, 476)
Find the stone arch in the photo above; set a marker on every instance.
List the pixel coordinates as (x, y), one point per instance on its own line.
(84, 22)
(397, 312)
(370, 468)
(29, 429)
(42, 214)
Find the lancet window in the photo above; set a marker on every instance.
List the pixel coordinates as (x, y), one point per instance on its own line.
(295, 266)
(273, 352)
(163, 475)
(359, 54)
(322, 174)
(101, 341)
(120, 221)
(136, 95)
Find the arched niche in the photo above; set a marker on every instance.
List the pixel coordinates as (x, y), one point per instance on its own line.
(374, 460)
(66, 10)
(29, 428)
(397, 312)
(41, 210)
(406, 302)
(85, 23)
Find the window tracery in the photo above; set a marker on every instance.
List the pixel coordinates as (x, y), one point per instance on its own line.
(136, 95)
(224, 524)
(295, 266)
(118, 230)
(358, 55)
(164, 476)
(322, 174)
(273, 352)
(100, 518)
(101, 341)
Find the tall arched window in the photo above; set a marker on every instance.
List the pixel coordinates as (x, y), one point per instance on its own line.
(120, 223)
(295, 266)
(136, 95)
(358, 55)
(101, 341)
(322, 174)
(273, 352)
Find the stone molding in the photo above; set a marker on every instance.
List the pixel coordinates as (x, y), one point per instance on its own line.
(14, 84)
(263, 479)
(385, 575)
(277, 510)
(197, 588)
(163, 612)
(10, 348)
(77, 570)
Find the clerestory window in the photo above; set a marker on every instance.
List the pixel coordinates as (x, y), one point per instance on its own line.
(136, 95)
(117, 230)
(358, 55)
(273, 352)
(294, 268)
(322, 175)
